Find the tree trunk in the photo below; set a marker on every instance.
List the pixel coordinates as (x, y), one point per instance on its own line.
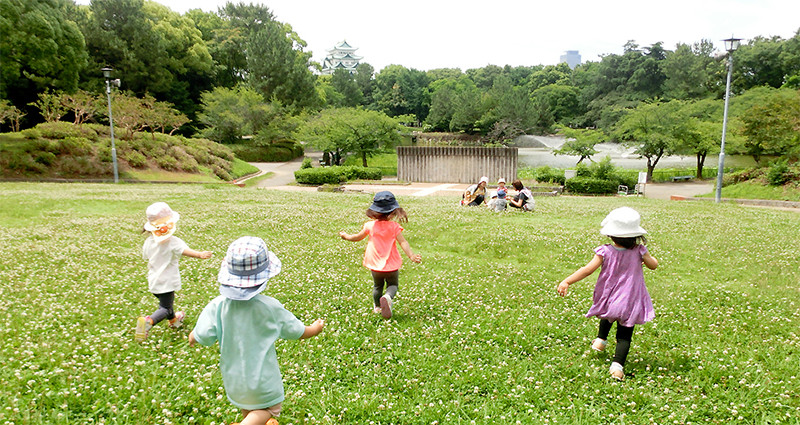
(701, 159)
(364, 159)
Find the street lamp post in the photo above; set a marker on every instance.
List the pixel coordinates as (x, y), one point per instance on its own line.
(731, 44)
(109, 81)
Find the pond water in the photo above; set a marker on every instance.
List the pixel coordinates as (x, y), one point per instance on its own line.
(537, 151)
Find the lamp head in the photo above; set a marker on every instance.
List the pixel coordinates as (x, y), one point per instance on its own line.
(732, 44)
(107, 72)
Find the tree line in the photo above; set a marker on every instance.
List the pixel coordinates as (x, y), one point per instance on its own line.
(238, 71)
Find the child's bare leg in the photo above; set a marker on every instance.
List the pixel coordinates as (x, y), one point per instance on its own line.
(255, 417)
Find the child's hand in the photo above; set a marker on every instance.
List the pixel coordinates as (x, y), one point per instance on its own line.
(206, 254)
(562, 288)
(343, 235)
(313, 329)
(192, 341)
(416, 258)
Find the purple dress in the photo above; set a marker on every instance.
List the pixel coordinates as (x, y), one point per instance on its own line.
(620, 294)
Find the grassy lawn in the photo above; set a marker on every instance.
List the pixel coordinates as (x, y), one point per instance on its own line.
(753, 190)
(479, 334)
(387, 162)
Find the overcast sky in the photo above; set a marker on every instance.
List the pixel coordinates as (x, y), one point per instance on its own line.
(471, 34)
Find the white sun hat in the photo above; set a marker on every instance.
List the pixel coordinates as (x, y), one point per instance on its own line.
(622, 223)
(484, 179)
(161, 220)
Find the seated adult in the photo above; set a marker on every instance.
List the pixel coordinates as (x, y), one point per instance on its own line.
(523, 199)
(475, 194)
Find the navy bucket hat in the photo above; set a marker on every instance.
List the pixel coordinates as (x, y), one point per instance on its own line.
(384, 202)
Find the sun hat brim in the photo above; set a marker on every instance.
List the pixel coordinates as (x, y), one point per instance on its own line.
(237, 287)
(150, 227)
(609, 230)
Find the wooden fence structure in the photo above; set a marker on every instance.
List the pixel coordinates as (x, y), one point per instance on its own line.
(455, 164)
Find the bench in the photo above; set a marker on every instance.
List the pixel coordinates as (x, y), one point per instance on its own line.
(681, 178)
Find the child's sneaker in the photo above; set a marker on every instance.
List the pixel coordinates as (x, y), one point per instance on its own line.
(377, 310)
(177, 321)
(616, 371)
(143, 325)
(599, 344)
(272, 421)
(386, 307)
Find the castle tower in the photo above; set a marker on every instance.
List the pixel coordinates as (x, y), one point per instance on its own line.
(342, 56)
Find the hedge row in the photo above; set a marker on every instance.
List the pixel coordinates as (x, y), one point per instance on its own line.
(274, 152)
(591, 185)
(335, 174)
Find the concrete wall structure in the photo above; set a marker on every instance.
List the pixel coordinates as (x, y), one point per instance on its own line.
(452, 164)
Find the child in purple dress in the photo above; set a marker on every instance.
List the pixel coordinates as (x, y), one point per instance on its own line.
(620, 294)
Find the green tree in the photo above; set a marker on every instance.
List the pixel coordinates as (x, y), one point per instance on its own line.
(39, 49)
(345, 83)
(580, 142)
(50, 105)
(350, 130)
(152, 50)
(11, 113)
(689, 70)
(365, 79)
(773, 127)
(651, 129)
(561, 100)
(230, 114)
(401, 91)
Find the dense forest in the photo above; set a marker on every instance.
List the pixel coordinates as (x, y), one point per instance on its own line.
(240, 72)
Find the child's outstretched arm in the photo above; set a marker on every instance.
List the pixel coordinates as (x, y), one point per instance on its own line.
(580, 274)
(197, 254)
(312, 330)
(407, 249)
(357, 237)
(650, 261)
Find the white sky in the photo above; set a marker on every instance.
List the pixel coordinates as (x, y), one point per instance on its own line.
(471, 34)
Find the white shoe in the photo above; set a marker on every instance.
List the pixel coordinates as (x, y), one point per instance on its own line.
(599, 344)
(616, 371)
(386, 307)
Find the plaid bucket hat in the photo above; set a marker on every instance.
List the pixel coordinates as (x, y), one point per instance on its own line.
(247, 267)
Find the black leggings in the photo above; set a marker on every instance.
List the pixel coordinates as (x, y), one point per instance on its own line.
(624, 335)
(165, 303)
(390, 279)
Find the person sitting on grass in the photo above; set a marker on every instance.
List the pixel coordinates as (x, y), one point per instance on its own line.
(498, 202)
(475, 194)
(246, 324)
(523, 199)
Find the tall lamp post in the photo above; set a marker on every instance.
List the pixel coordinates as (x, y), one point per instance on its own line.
(116, 82)
(731, 44)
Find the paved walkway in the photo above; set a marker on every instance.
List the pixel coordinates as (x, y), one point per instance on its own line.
(283, 177)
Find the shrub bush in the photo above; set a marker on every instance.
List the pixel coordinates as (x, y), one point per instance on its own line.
(135, 159)
(59, 130)
(45, 158)
(546, 174)
(335, 174)
(31, 133)
(590, 185)
(306, 164)
(779, 173)
(75, 146)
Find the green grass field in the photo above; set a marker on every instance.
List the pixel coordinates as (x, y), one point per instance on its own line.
(479, 334)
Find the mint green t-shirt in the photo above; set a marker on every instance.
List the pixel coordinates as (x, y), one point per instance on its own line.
(247, 331)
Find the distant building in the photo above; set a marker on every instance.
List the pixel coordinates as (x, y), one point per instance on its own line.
(571, 58)
(342, 56)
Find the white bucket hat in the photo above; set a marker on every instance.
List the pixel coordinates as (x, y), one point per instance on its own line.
(161, 221)
(484, 179)
(247, 267)
(622, 223)
(501, 180)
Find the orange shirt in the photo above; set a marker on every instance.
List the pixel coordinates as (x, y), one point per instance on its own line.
(381, 254)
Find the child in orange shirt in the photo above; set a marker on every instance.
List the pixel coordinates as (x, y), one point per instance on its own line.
(381, 255)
